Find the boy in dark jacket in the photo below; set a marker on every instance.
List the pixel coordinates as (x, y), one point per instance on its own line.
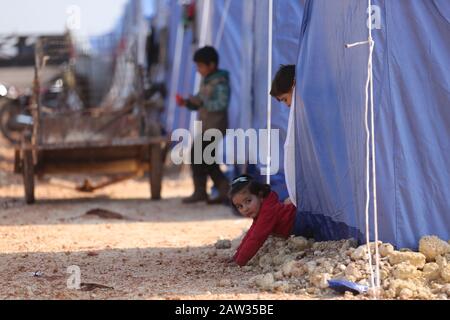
(212, 103)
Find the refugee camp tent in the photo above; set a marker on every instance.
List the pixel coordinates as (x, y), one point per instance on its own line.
(236, 29)
(285, 46)
(412, 119)
(181, 72)
(411, 81)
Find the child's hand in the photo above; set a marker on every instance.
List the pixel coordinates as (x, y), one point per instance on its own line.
(180, 100)
(195, 101)
(288, 201)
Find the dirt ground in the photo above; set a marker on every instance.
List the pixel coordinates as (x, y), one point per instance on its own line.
(161, 250)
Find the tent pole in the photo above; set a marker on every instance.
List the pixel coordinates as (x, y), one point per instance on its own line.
(269, 99)
(202, 42)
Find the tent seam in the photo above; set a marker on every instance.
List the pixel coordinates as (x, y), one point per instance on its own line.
(393, 126)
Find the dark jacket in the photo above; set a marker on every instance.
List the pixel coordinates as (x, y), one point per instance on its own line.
(214, 95)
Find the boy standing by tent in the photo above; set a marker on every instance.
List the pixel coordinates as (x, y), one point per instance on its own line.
(212, 103)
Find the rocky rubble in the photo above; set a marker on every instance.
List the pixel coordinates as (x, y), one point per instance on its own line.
(299, 265)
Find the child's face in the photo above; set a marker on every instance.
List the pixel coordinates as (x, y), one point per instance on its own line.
(286, 98)
(247, 204)
(205, 69)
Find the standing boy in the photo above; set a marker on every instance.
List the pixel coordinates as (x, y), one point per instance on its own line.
(212, 103)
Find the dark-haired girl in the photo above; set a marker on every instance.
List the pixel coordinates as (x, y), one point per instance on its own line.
(270, 217)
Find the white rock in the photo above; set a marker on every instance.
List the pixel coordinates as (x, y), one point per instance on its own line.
(348, 295)
(311, 290)
(445, 273)
(353, 272)
(432, 246)
(349, 243)
(280, 243)
(340, 268)
(281, 259)
(310, 267)
(298, 243)
(446, 289)
(293, 269)
(278, 275)
(441, 261)
(363, 282)
(225, 283)
(360, 253)
(287, 268)
(281, 286)
(320, 260)
(265, 260)
(406, 294)
(405, 271)
(265, 282)
(423, 293)
(320, 280)
(384, 274)
(397, 285)
(386, 249)
(414, 258)
(223, 244)
(247, 268)
(328, 266)
(431, 271)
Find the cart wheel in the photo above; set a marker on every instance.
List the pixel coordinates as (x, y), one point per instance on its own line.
(156, 168)
(28, 176)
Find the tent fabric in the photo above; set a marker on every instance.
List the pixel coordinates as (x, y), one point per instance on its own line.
(412, 95)
(243, 51)
(286, 32)
(185, 83)
(411, 82)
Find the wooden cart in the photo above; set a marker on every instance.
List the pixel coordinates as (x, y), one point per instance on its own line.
(94, 141)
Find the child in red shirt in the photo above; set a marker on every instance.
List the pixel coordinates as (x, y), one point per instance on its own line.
(270, 217)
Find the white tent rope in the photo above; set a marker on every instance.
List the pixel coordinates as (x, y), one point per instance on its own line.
(370, 139)
(374, 162)
(222, 24)
(366, 124)
(269, 99)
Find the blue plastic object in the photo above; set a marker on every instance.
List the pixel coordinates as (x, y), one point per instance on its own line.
(343, 285)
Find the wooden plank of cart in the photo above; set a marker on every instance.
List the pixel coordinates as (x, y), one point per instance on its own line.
(105, 142)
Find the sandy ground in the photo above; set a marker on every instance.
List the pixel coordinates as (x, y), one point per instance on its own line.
(162, 250)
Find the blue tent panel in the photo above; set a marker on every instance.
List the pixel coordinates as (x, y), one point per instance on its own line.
(412, 81)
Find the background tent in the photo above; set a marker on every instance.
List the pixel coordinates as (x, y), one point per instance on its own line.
(184, 73)
(239, 30)
(286, 32)
(243, 47)
(412, 81)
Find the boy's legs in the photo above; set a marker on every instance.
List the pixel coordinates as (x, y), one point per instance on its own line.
(218, 177)
(221, 183)
(199, 176)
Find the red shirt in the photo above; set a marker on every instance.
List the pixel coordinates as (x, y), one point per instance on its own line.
(274, 218)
